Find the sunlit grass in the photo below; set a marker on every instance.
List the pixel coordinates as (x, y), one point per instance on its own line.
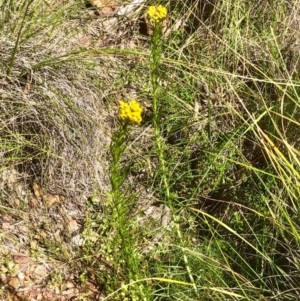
(216, 149)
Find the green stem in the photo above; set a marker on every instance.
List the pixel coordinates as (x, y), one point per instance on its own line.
(16, 47)
(121, 206)
(156, 52)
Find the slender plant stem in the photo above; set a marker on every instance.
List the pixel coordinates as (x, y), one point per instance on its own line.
(121, 206)
(16, 47)
(156, 52)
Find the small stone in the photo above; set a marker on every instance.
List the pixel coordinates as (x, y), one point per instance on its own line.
(52, 200)
(39, 297)
(108, 10)
(21, 276)
(69, 284)
(3, 278)
(5, 226)
(14, 282)
(21, 259)
(73, 226)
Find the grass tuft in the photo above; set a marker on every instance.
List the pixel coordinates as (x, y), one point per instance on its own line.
(190, 191)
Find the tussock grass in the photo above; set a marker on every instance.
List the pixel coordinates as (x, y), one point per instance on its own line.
(210, 180)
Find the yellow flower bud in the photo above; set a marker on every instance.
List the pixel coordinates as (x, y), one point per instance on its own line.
(157, 13)
(130, 111)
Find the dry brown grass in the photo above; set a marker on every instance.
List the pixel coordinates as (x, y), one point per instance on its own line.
(58, 92)
(63, 67)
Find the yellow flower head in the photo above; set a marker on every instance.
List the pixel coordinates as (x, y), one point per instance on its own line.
(157, 13)
(130, 111)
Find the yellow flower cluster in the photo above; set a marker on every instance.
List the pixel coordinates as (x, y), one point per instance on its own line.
(157, 13)
(130, 111)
